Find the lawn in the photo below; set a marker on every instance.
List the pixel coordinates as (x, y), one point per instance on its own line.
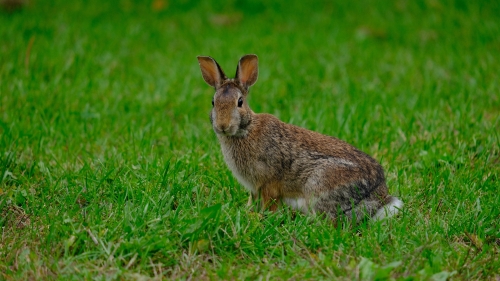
(110, 169)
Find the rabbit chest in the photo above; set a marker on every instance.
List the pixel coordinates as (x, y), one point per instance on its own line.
(249, 171)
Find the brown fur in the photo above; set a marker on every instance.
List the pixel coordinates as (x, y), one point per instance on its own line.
(276, 161)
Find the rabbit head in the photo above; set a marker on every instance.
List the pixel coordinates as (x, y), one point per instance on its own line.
(230, 115)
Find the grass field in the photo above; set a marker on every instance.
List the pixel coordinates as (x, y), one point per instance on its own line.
(109, 168)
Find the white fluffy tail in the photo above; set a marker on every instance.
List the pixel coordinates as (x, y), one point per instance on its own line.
(389, 209)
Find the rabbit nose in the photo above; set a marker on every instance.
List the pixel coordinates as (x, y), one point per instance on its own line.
(223, 128)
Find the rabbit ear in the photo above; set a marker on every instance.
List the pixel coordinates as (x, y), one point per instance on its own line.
(247, 70)
(211, 71)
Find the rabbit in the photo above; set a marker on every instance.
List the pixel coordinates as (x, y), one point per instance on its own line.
(282, 163)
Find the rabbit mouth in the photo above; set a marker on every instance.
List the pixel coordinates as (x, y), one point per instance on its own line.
(227, 131)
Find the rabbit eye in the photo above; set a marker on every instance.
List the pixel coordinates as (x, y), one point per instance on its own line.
(240, 102)
(212, 102)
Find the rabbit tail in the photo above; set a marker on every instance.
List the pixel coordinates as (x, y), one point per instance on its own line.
(392, 207)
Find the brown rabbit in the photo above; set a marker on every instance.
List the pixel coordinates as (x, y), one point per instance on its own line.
(279, 162)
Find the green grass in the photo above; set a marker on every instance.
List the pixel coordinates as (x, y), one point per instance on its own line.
(109, 168)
